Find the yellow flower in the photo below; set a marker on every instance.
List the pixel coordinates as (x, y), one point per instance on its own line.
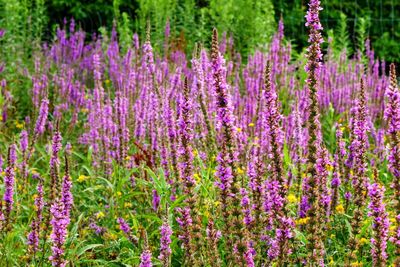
(302, 221)
(82, 178)
(356, 264)
(100, 215)
(195, 152)
(19, 125)
(240, 171)
(251, 124)
(127, 158)
(331, 261)
(119, 193)
(392, 220)
(339, 209)
(363, 241)
(127, 205)
(329, 167)
(333, 236)
(196, 176)
(238, 129)
(217, 203)
(110, 236)
(292, 198)
(107, 81)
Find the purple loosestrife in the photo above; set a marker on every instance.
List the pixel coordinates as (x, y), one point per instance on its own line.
(97, 229)
(9, 184)
(156, 200)
(23, 143)
(165, 242)
(185, 165)
(227, 158)
(66, 194)
(59, 223)
(380, 224)
(358, 148)
(313, 67)
(185, 153)
(34, 234)
(226, 170)
(40, 122)
(186, 223)
(54, 164)
(213, 236)
(283, 225)
(200, 84)
(145, 257)
(337, 167)
(124, 226)
(274, 132)
(392, 115)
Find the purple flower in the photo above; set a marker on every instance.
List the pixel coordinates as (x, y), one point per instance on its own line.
(145, 258)
(246, 207)
(33, 236)
(66, 195)
(380, 224)
(9, 183)
(97, 229)
(156, 200)
(123, 225)
(59, 222)
(165, 241)
(42, 118)
(23, 141)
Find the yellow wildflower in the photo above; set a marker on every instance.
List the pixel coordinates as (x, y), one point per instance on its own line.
(196, 176)
(339, 209)
(292, 198)
(100, 215)
(127, 158)
(127, 205)
(82, 178)
(302, 221)
(19, 125)
(240, 171)
(356, 264)
(119, 193)
(110, 236)
(238, 129)
(251, 124)
(363, 241)
(329, 167)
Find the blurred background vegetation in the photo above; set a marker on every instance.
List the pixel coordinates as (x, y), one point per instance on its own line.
(251, 22)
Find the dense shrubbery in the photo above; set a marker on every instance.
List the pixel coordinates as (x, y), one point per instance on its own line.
(250, 22)
(122, 150)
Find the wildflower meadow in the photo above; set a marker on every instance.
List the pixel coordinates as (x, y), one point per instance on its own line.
(117, 152)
